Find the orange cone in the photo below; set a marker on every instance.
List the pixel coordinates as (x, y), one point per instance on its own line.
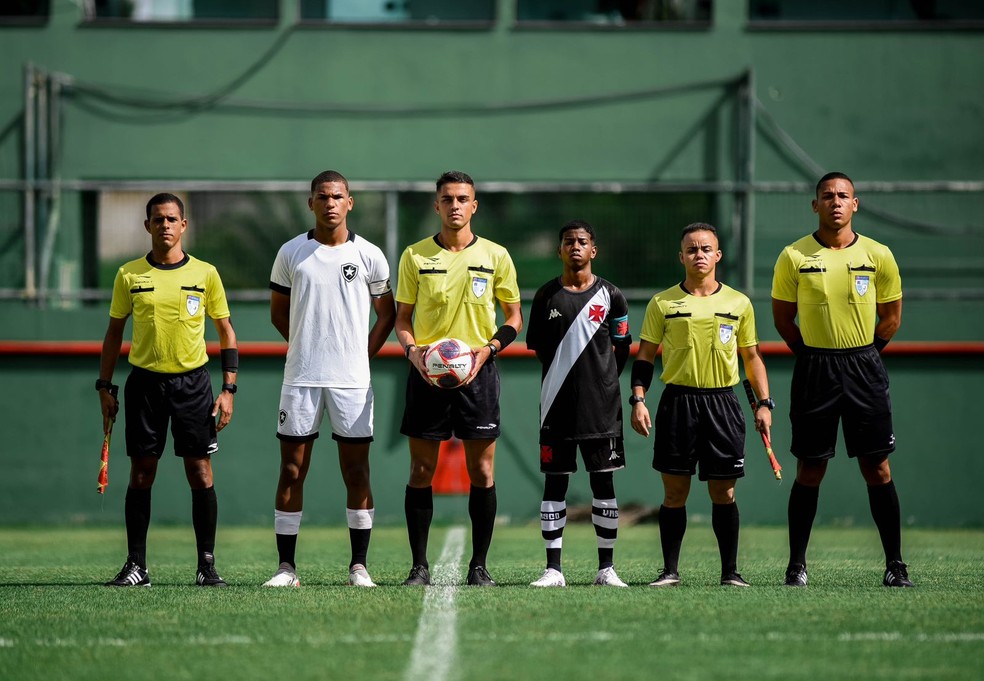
(451, 476)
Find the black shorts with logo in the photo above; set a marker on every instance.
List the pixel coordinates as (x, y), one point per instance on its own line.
(151, 400)
(704, 426)
(848, 386)
(470, 412)
(600, 455)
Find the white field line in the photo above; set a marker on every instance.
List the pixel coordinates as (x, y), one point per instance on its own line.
(967, 637)
(436, 644)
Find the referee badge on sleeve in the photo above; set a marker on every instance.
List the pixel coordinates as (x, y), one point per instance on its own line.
(725, 332)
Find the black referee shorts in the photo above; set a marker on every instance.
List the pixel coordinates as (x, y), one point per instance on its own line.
(699, 426)
(151, 399)
(470, 412)
(850, 386)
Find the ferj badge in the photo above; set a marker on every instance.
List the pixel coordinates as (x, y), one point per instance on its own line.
(479, 284)
(861, 283)
(193, 304)
(725, 332)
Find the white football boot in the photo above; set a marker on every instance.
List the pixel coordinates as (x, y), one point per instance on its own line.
(550, 577)
(284, 576)
(607, 577)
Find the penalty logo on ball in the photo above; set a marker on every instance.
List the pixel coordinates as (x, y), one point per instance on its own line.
(448, 362)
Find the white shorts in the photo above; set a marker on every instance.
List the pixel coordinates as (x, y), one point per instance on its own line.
(302, 408)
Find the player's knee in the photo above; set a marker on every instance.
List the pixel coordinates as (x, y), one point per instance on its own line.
(421, 472)
(290, 474)
(480, 473)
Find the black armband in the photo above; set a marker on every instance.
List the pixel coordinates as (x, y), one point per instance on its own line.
(230, 360)
(880, 343)
(505, 334)
(642, 374)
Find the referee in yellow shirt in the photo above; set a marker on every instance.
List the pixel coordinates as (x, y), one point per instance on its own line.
(168, 293)
(703, 326)
(448, 287)
(837, 301)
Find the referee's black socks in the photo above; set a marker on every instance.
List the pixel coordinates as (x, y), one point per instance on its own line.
(884, 503)
(418, 505)
(204, 516)
(801, 512)
(136, 511)
(725, 522)
(482, 505)
(672, 527)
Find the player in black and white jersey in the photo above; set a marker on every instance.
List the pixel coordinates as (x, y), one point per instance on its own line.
(579, 329)
(324, 283)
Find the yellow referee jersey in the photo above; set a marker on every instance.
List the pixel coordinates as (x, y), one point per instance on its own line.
(700, 335)
(835, 291)
(454, 293)
(169, 304)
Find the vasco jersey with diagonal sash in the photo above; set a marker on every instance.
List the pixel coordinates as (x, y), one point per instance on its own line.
(836, 290)
(573, 334)
(169, 304)
(331, 290)
(700, 335)
(454, 293)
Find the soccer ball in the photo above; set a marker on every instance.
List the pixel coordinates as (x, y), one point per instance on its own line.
(448, 362)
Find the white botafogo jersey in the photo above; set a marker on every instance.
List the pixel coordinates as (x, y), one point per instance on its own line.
(331, 290)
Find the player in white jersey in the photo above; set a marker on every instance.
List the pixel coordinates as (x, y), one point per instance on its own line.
(324, 283)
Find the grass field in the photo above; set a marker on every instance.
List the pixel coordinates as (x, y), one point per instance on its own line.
(56, 622)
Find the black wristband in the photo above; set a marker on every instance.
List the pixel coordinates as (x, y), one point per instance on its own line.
(406, 350)
(505, 334)
(230, 360)
(880, 343)
(642, 374)
(103, 384)
(229, 388)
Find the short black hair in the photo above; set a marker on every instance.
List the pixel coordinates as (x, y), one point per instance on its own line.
(698, 227)
(328, 176)
(161, 199)
(454, 177)
(833, 176)
(577, 224)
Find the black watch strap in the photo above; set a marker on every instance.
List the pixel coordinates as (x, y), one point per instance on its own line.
(230, 388)
(103, 384)
(635, 399)
(767, 402)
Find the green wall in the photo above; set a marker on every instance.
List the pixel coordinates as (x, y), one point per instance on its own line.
(52, 433)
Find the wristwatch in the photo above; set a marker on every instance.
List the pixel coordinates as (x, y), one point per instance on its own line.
(230, 388)
(103, 384)
(767, 402)
(493, 352)
(635, 399)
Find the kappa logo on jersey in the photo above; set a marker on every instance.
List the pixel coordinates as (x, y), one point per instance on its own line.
(597, 313)
(479, 284)
(349, 271)
(283, 417)
(554, 314)
(861, 283)
(725, 332)
(193, 303)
